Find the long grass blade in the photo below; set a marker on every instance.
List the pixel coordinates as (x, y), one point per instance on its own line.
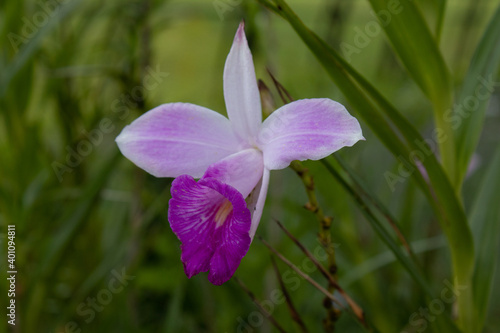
(476, 91)
(485, 222)
(28, 51)
(365, 192)
(415, 45)
(418, 50)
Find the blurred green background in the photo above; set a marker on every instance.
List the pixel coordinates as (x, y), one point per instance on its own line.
(74, 73)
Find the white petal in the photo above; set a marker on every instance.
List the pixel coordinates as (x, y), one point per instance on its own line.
(177, 138)
(306, 129)
(257, 200)
(240, 89)
(242, 170)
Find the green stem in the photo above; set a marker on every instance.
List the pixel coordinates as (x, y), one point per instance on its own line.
(462, 269)
(324, 236)
(462, 263)
(446, 140)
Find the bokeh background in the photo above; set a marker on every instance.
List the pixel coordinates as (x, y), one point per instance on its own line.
(74, 73)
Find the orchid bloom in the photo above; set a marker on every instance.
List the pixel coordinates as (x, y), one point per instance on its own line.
(216, 217)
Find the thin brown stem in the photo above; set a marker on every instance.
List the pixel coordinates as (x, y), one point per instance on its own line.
(259, 305)
(357, 310)
(325, 221)
(294, 313)
(313, 206)
(306, 277)
(281, 89)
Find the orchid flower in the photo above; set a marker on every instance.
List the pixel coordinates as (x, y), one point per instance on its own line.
(216, 217)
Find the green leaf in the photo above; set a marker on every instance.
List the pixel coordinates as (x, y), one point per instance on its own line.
(434, 11)
(29, 50)
(174, 309)
(387, 257)
(76, 217)
(485, 223)
(476, 91)
(56, 246)
(440, 11)
(416, 47)
(418, 50)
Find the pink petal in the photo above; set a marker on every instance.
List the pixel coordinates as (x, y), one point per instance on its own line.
(240, 89)
(242, 170)
(177, 138)
(306, 129)
(212, 221)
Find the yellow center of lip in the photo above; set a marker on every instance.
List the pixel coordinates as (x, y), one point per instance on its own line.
(222, 212)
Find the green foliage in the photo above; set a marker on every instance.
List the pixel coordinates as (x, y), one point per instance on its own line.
(90, 224)
(484, 219)
(476, 89)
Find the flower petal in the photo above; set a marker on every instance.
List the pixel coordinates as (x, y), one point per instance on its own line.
(242, 170)
(240, 89)
(306, 129)
(177, 138)
(257, 200)
(212, 221)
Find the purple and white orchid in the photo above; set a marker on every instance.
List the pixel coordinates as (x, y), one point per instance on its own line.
(216, 217)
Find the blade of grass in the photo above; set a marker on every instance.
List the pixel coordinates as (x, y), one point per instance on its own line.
(28, 51)
(93, 279)
(440, 12)
(438, 8)
(485, 222)
(387, 257)
(417, 48)
(434, 12)
(72, 221)
(365, 192)
(174, 310)
(76, 216)
(477, 88)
